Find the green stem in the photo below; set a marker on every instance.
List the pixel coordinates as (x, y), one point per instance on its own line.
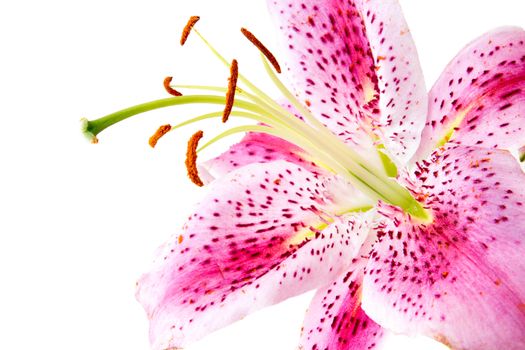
(92, 128)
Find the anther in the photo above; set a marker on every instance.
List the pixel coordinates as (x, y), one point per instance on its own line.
(262, 48)
(161, 131)
(169, 89)
(191, 158)
(230, 94)
(187, 29)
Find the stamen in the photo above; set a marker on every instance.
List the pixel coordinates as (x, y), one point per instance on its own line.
(262, 48)
(230, 94)
(191, 158)
(312, 137)
(161, 131)
(258, 92)
(169, 89)
(187, 29)
(91, 128)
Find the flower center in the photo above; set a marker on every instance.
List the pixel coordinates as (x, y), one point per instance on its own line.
(324, 148)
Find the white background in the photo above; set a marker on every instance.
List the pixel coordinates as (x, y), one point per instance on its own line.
(79, 222)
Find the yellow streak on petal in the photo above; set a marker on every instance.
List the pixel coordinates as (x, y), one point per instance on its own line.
(357, 305)
(368, 91)
(308, 157)
(454, 125)
(305, 234)
(443, 340)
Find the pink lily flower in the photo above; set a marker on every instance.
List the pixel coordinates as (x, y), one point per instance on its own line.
(405, 209)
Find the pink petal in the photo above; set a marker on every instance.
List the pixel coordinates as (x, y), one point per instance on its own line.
(355, 65)
(249, 244)
(461, 278)
(403, 95)
(482, 94)
(335, 320)
(256, 148)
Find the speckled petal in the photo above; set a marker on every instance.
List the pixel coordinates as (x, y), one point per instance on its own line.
(402, 92)
(254, 240)
(480, 95)
(355, 65)
(335, 320)
(256, 148)
(461, 278)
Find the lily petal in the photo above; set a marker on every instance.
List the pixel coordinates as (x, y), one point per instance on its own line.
(459, 278)
(254, 241)
(335, 320)
(480, 97)
(402, 91)
(355, 65)
(256, 148)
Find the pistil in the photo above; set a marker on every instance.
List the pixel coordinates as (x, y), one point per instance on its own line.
(91, 128)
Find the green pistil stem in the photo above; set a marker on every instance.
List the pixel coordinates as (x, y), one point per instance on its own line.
(93, 127)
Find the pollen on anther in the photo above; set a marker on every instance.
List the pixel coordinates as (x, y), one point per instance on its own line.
(169, 89)
(161, 131)
(191, 158)
(262, 48)
(230, 94)
(187, 29)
